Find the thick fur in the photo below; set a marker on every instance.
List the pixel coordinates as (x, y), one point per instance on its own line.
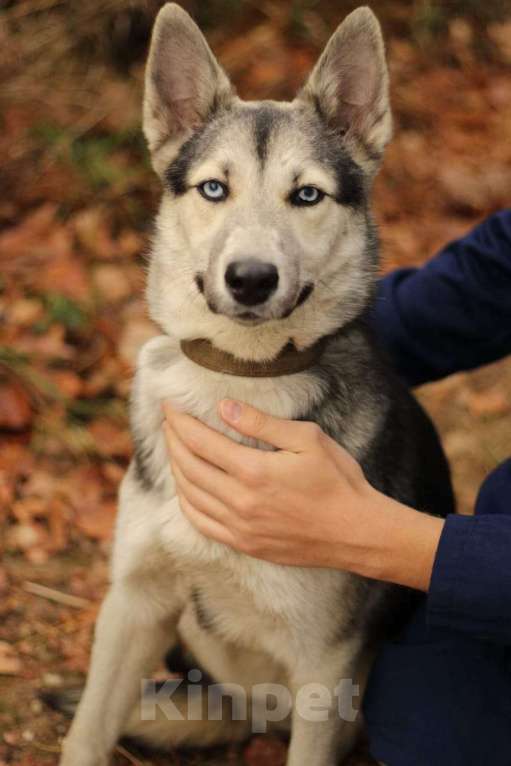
(247, 621)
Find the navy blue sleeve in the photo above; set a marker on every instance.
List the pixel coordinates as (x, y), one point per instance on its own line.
(471, 583)
(454, 313)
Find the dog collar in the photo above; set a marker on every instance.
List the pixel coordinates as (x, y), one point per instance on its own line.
(288, 361)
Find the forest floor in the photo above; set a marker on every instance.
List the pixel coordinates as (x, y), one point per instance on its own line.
(74, 223)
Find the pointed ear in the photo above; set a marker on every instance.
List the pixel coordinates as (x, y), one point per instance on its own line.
(349, 84)
(184, 82)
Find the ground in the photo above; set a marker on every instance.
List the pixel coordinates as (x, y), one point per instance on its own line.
(75, 213)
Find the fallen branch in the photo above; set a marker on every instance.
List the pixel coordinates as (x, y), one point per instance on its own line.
(130, 757)
(56, 595)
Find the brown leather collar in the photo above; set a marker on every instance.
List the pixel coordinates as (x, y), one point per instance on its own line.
(288, 361)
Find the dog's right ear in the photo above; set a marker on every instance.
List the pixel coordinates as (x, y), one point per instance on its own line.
(183, 84)
(349, 84)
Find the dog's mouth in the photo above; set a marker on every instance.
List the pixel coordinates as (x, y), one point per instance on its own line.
(256, 314)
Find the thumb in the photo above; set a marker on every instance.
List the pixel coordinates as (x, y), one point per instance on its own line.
(283, 434)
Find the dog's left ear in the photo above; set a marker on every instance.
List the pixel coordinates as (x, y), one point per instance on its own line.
(184, 83)
(349, 84)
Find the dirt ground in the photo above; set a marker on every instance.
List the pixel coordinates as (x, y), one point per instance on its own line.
(77, 199)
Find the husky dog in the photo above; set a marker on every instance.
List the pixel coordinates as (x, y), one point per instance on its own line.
(265, 253)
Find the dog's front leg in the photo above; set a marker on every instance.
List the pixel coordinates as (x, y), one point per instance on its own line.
(325, 722)
(131, 636)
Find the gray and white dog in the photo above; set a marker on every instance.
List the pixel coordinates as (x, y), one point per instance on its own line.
(264, 241)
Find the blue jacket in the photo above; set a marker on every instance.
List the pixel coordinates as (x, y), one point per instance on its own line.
(454, 314)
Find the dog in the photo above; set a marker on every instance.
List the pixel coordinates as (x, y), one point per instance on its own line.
(262, 276)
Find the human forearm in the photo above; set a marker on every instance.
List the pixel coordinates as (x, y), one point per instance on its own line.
(454, 312)
(398, 543)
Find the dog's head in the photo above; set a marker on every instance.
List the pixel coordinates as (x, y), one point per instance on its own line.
(263, 234)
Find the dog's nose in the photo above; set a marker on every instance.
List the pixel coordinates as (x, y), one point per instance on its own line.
(251, 281)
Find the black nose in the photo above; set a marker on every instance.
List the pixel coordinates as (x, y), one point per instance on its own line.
(251, 282)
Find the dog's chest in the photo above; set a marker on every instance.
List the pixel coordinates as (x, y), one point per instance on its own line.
(266, 607)
(166, 375)
(235, 595)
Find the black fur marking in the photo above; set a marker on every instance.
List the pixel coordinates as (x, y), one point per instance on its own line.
(182, 661)
(199, 281)
(350, 181)
(142, 461)
(318, 108)
(177, 173)
(264, 122)
(305, 293)
(204, 618)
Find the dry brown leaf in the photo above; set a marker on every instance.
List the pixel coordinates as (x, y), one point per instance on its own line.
(97, 521)
(136, 332)
(92, 232)
(51, 344)
(25, 312)
(24, 537)
(10, 663)
(262, 750)
(500, 35)
(29, 508)
(16, 413)
(112, 282)
(68, 382)
(487, 403)
(111, 440)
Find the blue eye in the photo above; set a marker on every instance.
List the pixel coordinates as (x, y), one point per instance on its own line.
(306, 195)
(214, 191)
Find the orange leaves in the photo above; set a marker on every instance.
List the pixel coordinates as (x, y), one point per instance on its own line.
(15, 407)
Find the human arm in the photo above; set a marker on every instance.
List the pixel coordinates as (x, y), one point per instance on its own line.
(306, 504)
(470, 588)
(309, 504)
(453, 313)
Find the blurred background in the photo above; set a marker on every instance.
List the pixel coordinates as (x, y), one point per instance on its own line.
(77, 197)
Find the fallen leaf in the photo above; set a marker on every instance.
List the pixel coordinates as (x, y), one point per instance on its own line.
(92, 231)
(487, 403)
(113, 284)
(135, 333)
(262, 751)
(16, 412)
(111, 440)
(23, 537)
(97, 521)
(10, 663)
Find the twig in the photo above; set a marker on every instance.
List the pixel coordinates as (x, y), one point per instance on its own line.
(56, 595)
(130, 757)
(47, 748)
(119, 749)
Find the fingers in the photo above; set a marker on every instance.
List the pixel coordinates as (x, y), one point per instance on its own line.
(205, 524)
(210, 445)
(198, 498)
(290, 435)
(199, 472)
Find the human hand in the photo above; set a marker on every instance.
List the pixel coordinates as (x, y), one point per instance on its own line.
(306, 504)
